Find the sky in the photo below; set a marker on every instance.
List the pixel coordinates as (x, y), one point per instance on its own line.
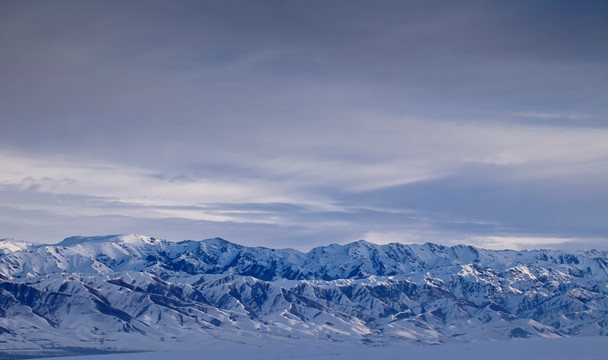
(294, 124)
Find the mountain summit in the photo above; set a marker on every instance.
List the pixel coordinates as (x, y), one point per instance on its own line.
(132, 292)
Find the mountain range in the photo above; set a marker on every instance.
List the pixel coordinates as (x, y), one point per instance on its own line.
(133, 293)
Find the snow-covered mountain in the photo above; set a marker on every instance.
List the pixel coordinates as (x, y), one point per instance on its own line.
(135, 292)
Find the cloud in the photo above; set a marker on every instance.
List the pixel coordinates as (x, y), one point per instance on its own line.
(127, 191)
(331, 120)
(453, 178)
(548, 115)
(518, 242)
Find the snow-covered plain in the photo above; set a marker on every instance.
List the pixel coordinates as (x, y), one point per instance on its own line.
(578, 348)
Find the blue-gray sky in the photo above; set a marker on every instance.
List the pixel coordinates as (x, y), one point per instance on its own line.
(301, 123)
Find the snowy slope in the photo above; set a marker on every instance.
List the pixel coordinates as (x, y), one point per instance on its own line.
(136, 292)
(11, 245)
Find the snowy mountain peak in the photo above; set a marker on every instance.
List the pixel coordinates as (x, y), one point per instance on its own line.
(137, 292)
(10, 245)
(127, 238)
(217, 243)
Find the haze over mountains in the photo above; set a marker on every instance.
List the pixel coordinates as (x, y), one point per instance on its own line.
(133, 292)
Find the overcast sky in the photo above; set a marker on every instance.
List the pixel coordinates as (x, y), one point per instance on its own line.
(303, 123)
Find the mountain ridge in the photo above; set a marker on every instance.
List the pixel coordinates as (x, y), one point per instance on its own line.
(134, 292)
(331, 262)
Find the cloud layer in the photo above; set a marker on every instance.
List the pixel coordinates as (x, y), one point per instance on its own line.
(294, 124)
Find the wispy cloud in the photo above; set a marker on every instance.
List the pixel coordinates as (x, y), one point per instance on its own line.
(519, 242)
(549, 115)
(120, 190)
